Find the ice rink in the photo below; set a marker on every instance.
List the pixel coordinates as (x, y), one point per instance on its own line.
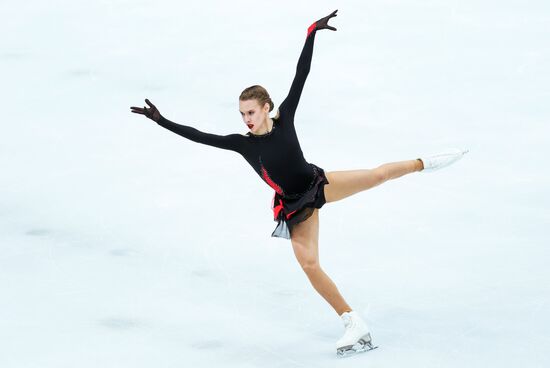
(126, 245)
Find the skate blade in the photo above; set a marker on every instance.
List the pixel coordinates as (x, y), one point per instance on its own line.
(360, 347)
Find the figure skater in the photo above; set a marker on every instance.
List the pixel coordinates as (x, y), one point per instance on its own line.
(301, 188)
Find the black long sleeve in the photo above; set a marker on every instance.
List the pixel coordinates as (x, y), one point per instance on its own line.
(275, 156)
(233, 142)
(290, 103)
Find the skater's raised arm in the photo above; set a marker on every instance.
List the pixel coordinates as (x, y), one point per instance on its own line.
(231, 142)
(290, 103)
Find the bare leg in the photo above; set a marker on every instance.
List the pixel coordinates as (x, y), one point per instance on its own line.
(328, 290)
(305, 235)
(305, 239)
(397, 169)
(342, 184)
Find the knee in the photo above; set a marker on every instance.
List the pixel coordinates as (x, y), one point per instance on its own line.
(310, 266)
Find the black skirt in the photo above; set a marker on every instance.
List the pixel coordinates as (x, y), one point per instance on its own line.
(292, 209)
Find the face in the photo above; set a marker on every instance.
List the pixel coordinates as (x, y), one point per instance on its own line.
(254, 116)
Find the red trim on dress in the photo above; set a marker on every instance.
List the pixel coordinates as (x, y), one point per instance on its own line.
(271, 183)
(311, 28)
(280, 207)
(277, 209)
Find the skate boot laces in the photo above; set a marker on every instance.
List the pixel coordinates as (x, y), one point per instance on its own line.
(348, 321)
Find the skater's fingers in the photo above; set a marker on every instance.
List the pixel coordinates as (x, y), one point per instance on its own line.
(331, 28)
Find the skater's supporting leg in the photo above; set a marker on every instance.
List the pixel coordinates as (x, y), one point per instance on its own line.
(305, 240)
(342, 184)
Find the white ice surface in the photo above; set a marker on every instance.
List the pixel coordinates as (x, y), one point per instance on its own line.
(125, 245)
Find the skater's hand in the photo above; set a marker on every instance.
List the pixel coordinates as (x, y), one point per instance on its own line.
(323, 22)
(151, 112)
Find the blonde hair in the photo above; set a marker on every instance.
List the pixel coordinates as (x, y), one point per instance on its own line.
(260, 94)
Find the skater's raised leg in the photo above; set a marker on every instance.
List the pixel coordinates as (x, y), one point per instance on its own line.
(305, 243)
(343, 184)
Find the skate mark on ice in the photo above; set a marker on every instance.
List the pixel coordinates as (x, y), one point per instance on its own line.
(81, 73)
(117, 323)
(203, 273)
(207, 344)
(123, 252)
(38, 232)
(14, 55)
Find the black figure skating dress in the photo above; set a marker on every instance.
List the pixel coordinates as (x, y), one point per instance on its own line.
(276, 156)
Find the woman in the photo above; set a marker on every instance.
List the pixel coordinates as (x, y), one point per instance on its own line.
(271, 147)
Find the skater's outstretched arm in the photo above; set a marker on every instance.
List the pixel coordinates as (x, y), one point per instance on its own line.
(290, 103)
(231, 142)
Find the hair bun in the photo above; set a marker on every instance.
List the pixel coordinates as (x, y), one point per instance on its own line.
(258, 93)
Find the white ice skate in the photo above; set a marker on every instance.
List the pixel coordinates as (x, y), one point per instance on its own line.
(357, 337)
(443, 159)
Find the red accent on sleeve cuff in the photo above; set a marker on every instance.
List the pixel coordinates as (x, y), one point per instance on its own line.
(311, 28)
